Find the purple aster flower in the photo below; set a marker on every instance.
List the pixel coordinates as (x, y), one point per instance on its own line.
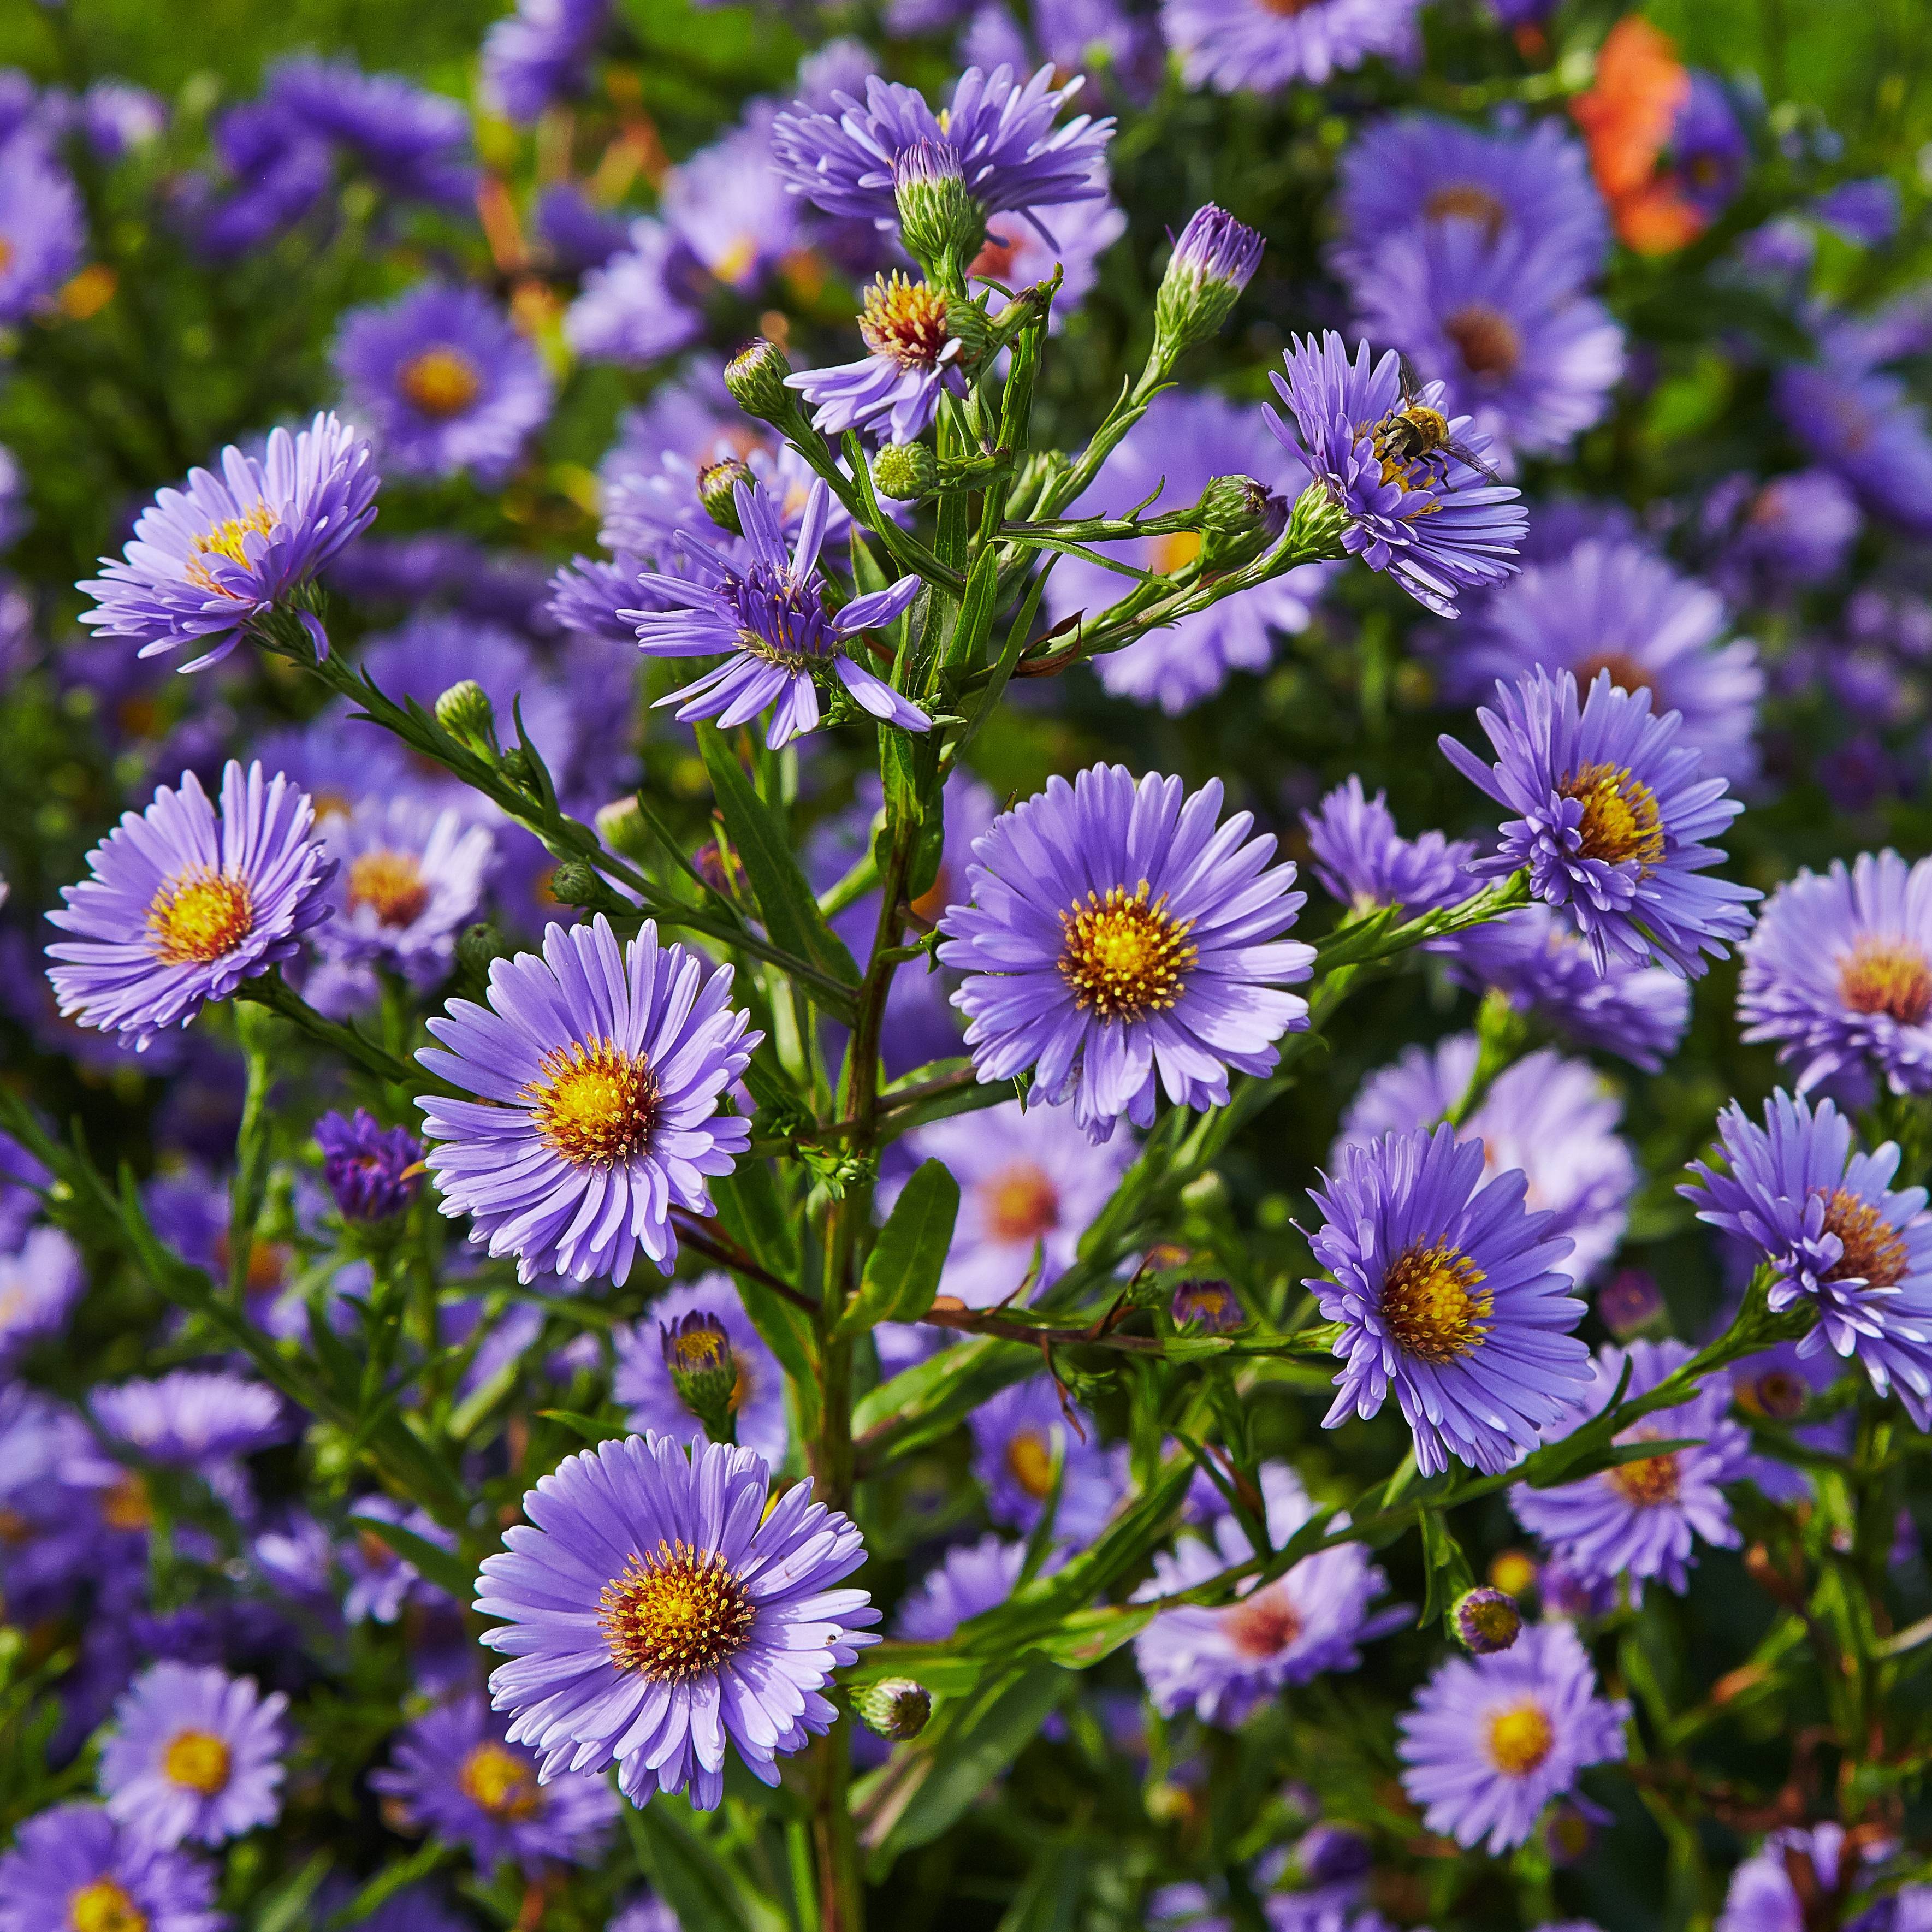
(1520, 351)
(416, 1908)
(1410, 173)
(728, 206)
(587, 593)
(54, 1534)
(204, 564)
(1614, 814)
(637, 308)
(1016, 1434)
(1365, 863)
(1012, 157)
(1859, 421)
(1838, 971)
(441, 567)
(42, 227)
(456, 1774)
(383, 1584)
(367, 1166)
(657, 1609)
(444, 381)
(972, 1577)
(408, 876)
(115, 117)
(769, 615)
(1776, 536)
(280, 170)
(194, 1753)
(73, 1866)
(653, 1406)
(193, 1418)
(1642, 1519)
(1617, 607)
(1534, 959)
(414, 143)
(1837, 1236)
(1447, 1289)
(1016, 253)
(39, 1285)
(541, 53)
(576, 233)
(1222, 1664)
(1164, 464)
(1120, 43)
(1115, 932)
(182, 905)
(1708, 152)
(1244, 45)
(1429, 520)
(1553, 1119)
(1766, 1894)
(600, 1072)
(1491, 1740)
(911, 356)
(1866, 212)
(1030, 1184)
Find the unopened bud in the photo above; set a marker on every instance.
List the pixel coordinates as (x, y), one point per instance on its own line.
(1214, 261)
(697, 1353)
(897, 1709)
(575, 882)
(516, 766)
(621, 826)
(1486, 1621)
(478, 948)
(905, 472)
(756, 378)
(465, 711)
(939, 220)
(1212, 1306)
(718, 491)
(1316, 526)
(1242, 519)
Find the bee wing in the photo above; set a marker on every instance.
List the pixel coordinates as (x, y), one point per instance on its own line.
(1412, 382)
(1468, 456)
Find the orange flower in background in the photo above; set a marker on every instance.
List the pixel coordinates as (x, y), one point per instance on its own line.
(1626, 120)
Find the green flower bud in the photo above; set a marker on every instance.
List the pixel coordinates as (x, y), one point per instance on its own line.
(575, 882)
(756, 378)
(717, 490)
(1212, 263)
(1242, 519)
(478, 948)
(620, 824)
(697, 1352)
(1316, 525)
(905, 472)
(939, 220)
(897, 1709)
(1486, 1621)
(465, 711)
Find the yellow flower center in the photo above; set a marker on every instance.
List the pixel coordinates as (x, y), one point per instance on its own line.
(1173, 552)
(1486, 340)
(391, 884)
(1263, 1623)
(1520, 1738)
(698, 1351)
(441, 381)
(197, 1761)
(1434, 1304)
(103, 1907)
(1464, 201)
(227, 539)
(199, 914)
(1625, 672)
(1620, 821)
(675, 1615)
(905, 321)
(1875, 1251)
(595, 1102)
(1887, 976)
(501, 1782)
(1030, 1461)
(6, 254)
(1123, 957)
(1647, 1483)
(1022, 1204)
(734, 263)
(1514, 1573)
(127, 1505)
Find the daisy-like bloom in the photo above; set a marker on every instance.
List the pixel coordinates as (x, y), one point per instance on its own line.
(194, 1753)
(1859, 419)
(1779, 1886)
(600, 1071)
(1030, 1184)
(416, 144)
(1016, 1435)
(1837, 1236)
(912, 354)
(407, 877)
(1413, 171)
(445, 381)
(1555, 1120)
(1115, 932)
(205, 562)
(183, 905)
(656, 1608)
(1012, 156)
(541, 52)
(1167, 459)
(1222, 1664)
(646, 1914)
(972, 1577)
(1643, 1519)
(638, 307)
(769, 617)
(1365, 863)
(39, 1285)
(1436, 525)
(1838, 971)
(1615, 606)
(368, 1166)
(1491, 1740)
(383, 1584)
(1614, 814)
(1778, 535)
(1249, 46)
(1528, 359)
(1448, 1291)
(74, 1868)
(1639, 1013)
(729, 207)
(456, 1774)
(42, 227)
(193, 1418)
(644, 1383)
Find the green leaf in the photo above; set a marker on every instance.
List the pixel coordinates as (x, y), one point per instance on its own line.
(966, 646)
(592, 1431)
(931, 1396)
(443, 1567)
(285, 1906)
(707, 1893)
(902, 1272)
(392, 1879)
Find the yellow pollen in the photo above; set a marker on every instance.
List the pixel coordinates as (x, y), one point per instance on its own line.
(675, 1615)
(391, 884)
(126, 1505)
(1485, 339)
(1286, 10)
(1173, 552)
(906, 321)
(1464, 201)
(1647, 1483)
(501, 1782)
(198, 1761)
(1022, 1204)
(1123, 957)
(199, 914)
(698, 1351)
(1887, 976)
(1520, 1738)
(734, 263)
(1264, 1623)
(441, 381)
(595, 1102)
(1030, 1461)
(6, 254)
(1625, 672)
(1514, 1573)
(103, 1907)
(1874, 1250)
(1433, 1303)
(1620, 823)
(227, 539)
